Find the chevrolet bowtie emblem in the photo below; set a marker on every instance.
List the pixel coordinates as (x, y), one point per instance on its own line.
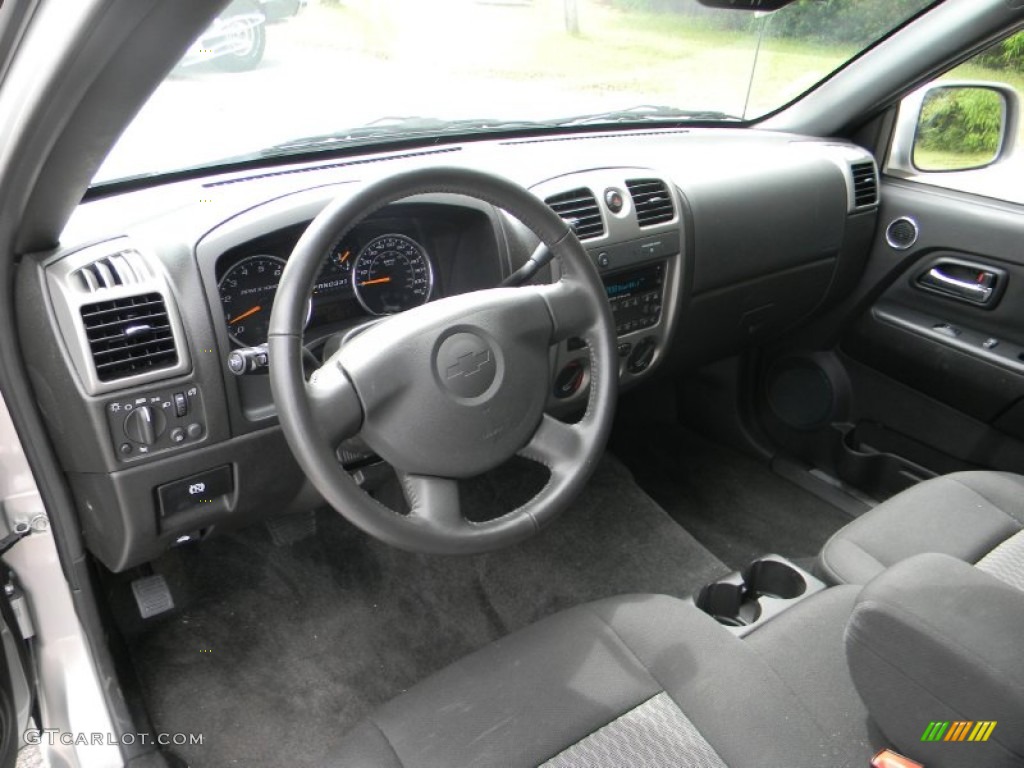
(469, 364)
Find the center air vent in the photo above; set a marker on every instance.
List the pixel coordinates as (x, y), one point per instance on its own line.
(651, 200)
(129, 336)
(578, 208)
(124, 268)
(865, 184)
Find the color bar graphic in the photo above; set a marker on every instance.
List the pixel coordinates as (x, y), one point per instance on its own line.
(959, 730)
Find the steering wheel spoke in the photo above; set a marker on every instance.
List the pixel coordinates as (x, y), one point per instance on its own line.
(555, 444)
(434, 500)
(571, 313)
(334, 403)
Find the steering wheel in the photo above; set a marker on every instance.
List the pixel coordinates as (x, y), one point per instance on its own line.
(448, 390)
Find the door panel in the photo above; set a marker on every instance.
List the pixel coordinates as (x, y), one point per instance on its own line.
(962, 344)
(912, 380)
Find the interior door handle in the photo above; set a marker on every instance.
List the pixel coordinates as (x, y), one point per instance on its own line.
(968, 290)
(961, 281)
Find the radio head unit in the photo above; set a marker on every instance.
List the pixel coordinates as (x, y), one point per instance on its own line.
(636, 296)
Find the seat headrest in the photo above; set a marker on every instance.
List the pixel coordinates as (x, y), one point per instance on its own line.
(933, 640)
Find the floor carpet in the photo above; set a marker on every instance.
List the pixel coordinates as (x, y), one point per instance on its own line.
(732, 504)
(275, 651)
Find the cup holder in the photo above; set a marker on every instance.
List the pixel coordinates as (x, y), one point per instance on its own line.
(770, 578)
(729, 604)
(766, 587)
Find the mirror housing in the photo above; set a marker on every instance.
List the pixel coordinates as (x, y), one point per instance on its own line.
(951, 126)
(747, 5)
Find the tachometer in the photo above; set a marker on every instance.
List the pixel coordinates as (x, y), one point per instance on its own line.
(247, 293)
(391, 274)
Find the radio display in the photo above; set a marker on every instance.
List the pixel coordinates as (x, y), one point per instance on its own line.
(633, 282)
(635, 297)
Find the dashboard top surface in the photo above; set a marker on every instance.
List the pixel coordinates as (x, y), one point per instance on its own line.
(690, 158)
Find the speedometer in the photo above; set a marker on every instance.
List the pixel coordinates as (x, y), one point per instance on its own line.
(391, 274)
(247, 293)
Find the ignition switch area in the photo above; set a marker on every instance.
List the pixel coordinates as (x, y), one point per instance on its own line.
(570, 379)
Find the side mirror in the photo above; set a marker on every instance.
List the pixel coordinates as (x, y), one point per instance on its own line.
(955, 126)
(747, 5)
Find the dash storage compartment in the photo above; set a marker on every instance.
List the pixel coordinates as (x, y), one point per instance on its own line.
(764, 589)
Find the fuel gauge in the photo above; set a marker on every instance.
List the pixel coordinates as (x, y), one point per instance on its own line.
(336, 274)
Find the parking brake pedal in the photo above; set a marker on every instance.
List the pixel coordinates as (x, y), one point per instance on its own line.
(289, 529)
(152, 596)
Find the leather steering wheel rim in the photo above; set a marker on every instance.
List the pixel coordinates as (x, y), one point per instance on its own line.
(467, 416)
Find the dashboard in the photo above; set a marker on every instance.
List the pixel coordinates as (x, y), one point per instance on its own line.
(133, 327)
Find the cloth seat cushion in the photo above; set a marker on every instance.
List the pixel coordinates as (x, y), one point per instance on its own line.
(636, 680)
(965, 515)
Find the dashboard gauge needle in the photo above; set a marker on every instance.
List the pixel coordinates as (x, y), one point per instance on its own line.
(247, 313)
(344, 257)
(376, 281)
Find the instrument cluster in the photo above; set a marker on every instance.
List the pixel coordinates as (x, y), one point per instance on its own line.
(366, 274)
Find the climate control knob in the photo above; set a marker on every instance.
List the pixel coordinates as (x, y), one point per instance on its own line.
(642, 355)
(144, 425)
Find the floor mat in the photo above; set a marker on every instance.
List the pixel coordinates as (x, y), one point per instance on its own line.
(276, 651)
(733, 505)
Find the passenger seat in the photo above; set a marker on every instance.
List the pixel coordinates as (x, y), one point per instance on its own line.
(977, 517)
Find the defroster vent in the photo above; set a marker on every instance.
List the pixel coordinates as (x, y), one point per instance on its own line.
(651, 200)
(578, 208)
(129, 336)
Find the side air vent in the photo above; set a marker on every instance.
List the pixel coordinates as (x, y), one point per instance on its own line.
(865, 184)
(651, 200)
(124, 268)
(129, 336)
(578, 208)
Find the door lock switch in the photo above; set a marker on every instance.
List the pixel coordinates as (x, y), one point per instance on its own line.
(947, 330)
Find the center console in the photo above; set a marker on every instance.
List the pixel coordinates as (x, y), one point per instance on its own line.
(744, 600)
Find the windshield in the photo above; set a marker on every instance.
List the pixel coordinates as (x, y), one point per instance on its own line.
(283, 77)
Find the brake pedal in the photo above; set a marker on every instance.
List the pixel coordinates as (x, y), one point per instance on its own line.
(152, 596)
(290, 529)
